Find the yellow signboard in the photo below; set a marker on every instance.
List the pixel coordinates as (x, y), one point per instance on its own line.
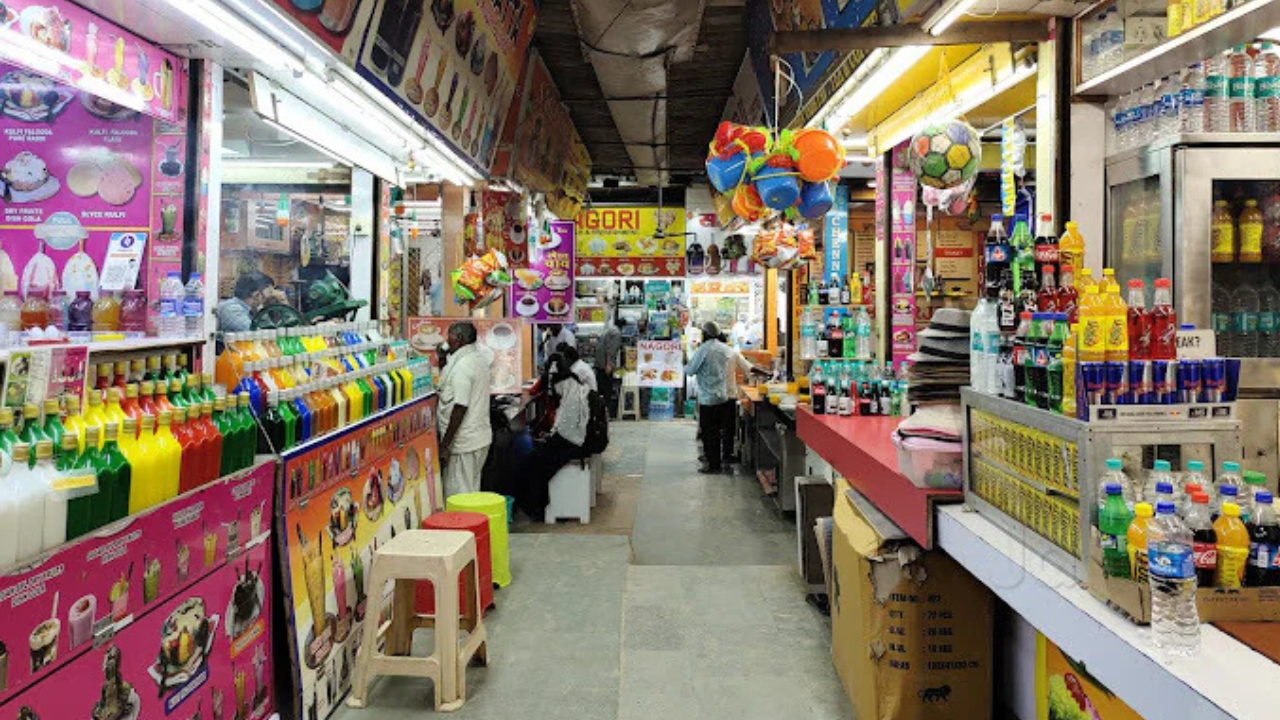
(631, 241)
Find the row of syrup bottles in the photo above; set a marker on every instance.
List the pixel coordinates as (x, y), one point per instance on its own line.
(354, 345)
(294, 415)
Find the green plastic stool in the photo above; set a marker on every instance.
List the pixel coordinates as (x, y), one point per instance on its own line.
(495, 507)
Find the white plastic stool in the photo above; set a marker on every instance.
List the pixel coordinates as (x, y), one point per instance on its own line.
(570, 493)
(597, 476)
(630, 389)
(441, 556)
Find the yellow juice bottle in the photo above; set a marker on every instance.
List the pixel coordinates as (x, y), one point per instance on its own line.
(1071, 247)
(169, 453)
(74, 421)
(141, 470)
(144, 458)
(406, 377)
(96, 416)
(114, 413)
(1092, 345)
(1117, 325)
(355, 401)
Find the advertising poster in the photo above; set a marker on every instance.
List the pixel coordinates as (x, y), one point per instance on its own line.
(543, 292)
(338, 24)
(93, 55)
(44, 372)
(503, 226)
(345, 496)
(631, 241)
(546, 154)
(835, 235)
(452, 65)
(1066, 691)
(902, 236)
(498, 338)
(139, 572)
(660, 363)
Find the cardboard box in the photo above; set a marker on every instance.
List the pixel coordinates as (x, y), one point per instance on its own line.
(911, 631)
(1258, 604)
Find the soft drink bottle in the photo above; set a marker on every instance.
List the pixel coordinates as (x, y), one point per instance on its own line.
(1069, 364)
(1264, 546)
(1092, 327)
(1049, 296)
(1233, 547)
(1191, 105)
(1216, 113)
(1266, 89)
(1226, 494)
(1071, 247)
(1116, 342)
(1057, 340)
(998, 255)
(1033, 386)
(1024, 265)
(1019, 358)
(1175, 620)
(1068, 295)
(1250, 232)
(1240, 100)
(1136, 538)
(1204, 540)
(1046, 247)
(1140, 323)
(817, 391)
(1113, 526)
(1163, 322)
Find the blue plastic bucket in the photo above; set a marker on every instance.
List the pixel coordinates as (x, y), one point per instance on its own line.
(778, 187)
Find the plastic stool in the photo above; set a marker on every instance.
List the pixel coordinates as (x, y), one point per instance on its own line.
(597, 476)
(495, 507)
(630, 389)
(570, 493)
(478, 525)
(442, 556)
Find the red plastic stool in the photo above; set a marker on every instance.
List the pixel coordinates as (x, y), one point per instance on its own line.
(477, 524)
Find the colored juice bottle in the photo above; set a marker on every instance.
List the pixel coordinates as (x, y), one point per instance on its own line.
(226, 367)
(270, 435)
(369, 396)
(120, 378)
(207, 394)
(32, 431)
(246, 442)
(227, 428)
(53, 427)
(144, 457)
(162, 399)
(177, 394)
(212, 444)
(106, 313)
(1137, 538)
(73, 422)
(189, 468)
(79, 509)
(103, 376)
(339, 403)
(355, 401)
(1116, 342)
(8, 437)
(119, 472)
(290, 420)
(127, 444)
(1092, 341)
(170, 455)
(147, 400)
(55, 503)
(131, 407)
(1233, 547)
(304, 417)
(153, 369)
(113, 411)
(137, 370)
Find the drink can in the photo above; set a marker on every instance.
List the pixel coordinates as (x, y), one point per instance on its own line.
(1141, 391)
(1214, 380)
(1114, 385)
(1094, 374)
(1162, 386)
(1190, 380)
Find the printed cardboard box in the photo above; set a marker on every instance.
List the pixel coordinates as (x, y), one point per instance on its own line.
(911, 631)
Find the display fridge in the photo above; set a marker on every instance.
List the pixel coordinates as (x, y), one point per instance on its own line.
(1204, 210)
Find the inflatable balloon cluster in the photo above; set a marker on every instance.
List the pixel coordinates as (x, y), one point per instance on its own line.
(481, 279)
(790, 172)
(945, 154)
(785, 246)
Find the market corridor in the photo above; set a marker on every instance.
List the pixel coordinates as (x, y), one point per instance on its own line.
(698, 614)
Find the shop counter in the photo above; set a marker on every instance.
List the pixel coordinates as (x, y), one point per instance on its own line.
(861, 450)
(777, 455)
(1225, 680)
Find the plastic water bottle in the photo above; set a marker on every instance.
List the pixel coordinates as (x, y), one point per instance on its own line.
(171, 323)
(1268, 319)
(1244, 320)
(1266, 89)
(862, 329)
(978, 345)
(1191, 105)
(1193, 475)
(1220, 300)
(1215, 95)
(1240, 100)
(1115, 475)
(1230, 476)
(1146, 103)
(1175, 621)
(1159, 486)
(193, 306)
(1168, 97)
(1113, 42)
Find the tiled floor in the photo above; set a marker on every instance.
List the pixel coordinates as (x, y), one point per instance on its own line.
(699, 614)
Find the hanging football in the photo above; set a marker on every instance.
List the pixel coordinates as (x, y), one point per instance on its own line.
(945, 154)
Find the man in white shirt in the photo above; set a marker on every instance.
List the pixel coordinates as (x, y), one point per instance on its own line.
(465, 434)
(562, 335)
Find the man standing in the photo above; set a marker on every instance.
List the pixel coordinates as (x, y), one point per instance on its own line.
(607, 350)
(465, 434)
(710, 365)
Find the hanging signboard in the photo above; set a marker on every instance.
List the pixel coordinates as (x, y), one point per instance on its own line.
(660, 363)
(545, 153)
(343, 497)
(453, 66)
(631, 241)
(902, 235)
(543, 292)
(339, 24)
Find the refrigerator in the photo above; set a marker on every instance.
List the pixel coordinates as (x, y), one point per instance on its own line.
(1167, 205)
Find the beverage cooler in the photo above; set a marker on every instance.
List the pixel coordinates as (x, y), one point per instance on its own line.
(1204, 210)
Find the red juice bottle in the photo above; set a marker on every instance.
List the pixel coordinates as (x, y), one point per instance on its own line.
(146, 401)
(1069, 295)
(189, 473)
(1048, 296)
(1139, 322)
(1164, 322)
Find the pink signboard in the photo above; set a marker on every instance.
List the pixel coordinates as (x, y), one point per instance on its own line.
(902, 235)
(81, 596)
(89, 53)
(543, 292)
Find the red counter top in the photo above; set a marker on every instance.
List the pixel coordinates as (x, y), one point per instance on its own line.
(861, 449)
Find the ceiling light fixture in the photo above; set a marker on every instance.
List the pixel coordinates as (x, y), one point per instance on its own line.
(881, 69)
(252, 41)
(946, 15)
(242, 163)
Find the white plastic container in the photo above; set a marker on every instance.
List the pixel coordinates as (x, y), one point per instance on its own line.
(931, 469)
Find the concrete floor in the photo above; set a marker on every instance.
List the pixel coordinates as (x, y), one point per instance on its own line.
(699, 614)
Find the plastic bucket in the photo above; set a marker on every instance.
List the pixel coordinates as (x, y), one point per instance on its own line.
(725, 174)
(815, 199)
(778, 187)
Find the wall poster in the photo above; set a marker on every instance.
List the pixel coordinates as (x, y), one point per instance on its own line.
(660, 363)
(631, 241)
(498, 338)
(1066, 691)
(902, 235)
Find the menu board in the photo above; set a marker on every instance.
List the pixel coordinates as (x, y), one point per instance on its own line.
(452, 65)
(543, 292)
(92, 594)
(631, 241)
(343, 497)
(902, 235)
(660, 363)
(498, 338)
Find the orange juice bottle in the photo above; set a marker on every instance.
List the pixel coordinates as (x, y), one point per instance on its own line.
(1092, 345)
(227, 368)
(169, 452)
(1071, 247)
(1233, 547)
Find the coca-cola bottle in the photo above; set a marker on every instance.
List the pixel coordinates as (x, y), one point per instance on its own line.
(1046, 247)
(1048, 300)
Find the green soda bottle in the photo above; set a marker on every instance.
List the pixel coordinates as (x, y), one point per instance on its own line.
(1113, 525)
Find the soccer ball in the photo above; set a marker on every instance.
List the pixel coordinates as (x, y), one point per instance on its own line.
(945, 154)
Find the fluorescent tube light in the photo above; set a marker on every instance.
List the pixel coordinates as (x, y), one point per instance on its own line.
(215, 17)
(864, 87)
(946, 15)
(241, 163)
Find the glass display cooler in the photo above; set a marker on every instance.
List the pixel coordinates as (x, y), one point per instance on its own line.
(1204, 210)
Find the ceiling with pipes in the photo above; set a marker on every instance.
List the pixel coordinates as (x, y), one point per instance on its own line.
(645, 81)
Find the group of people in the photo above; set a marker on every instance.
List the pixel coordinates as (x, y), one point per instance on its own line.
(715, 365)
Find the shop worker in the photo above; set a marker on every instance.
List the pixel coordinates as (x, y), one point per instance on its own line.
(236, 313)
(465, 434)
(710, 365)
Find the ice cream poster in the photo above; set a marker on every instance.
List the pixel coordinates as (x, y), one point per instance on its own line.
(69, 603)
(1066, 691)
(204, 652)
(347, 496)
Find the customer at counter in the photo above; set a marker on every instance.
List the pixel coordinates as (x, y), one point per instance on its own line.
(465, 433)
(710, 365)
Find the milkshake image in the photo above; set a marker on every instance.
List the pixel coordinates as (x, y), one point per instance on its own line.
(183, 562)
(233, 535)
(313, 573)
(255, 522)
(80, 620)
(357, 577)
(340, 584)
(210, 547)
(150, 580)
(44, 644)
(240, 680)
(218, 698)
(119, 597)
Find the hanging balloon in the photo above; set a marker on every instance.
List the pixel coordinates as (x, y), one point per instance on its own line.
(820, 155)
(815, 199)
(945, 154)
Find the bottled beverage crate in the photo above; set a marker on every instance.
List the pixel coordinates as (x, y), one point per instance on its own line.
(1034, 473)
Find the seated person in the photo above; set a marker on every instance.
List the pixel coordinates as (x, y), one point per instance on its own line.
(569, 395)
(253, 290)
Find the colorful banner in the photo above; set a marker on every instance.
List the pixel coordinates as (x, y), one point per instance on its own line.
(660, 363)
(454, 68)
(545, 153)
(344, 496)
(902, 235)
(37, 373)
(84, 594)
(1066, 691)
(94, 55)
(543, 292)
(498, 338)
(503, 224)
(627, 241)
(339, 24)
(835, 234)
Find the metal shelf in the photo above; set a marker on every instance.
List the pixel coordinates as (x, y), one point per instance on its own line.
(138, 345)
(1239, 25)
